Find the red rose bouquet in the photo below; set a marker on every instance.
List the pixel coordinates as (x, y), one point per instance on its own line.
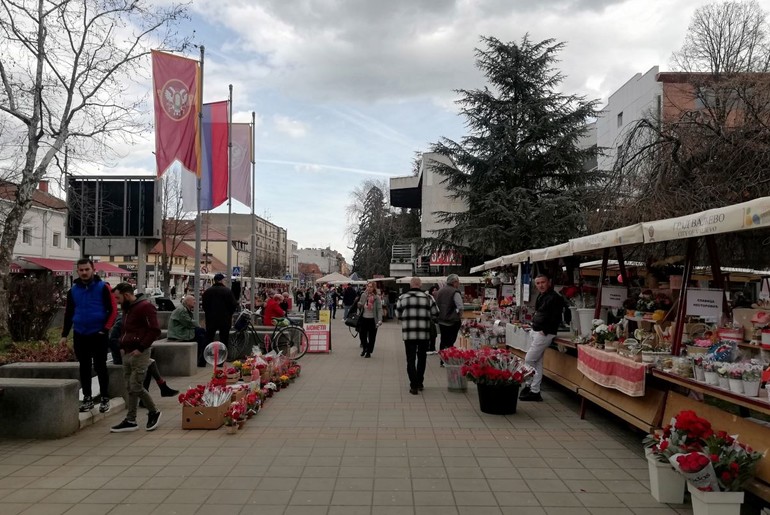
(456, 355)
(236, 412)
(686, 433)
(496, 367)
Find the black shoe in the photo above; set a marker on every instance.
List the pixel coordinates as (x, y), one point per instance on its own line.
(413, 391)
(442, 364)
(531, 396)
(86, 405)
(104, 406)
(524, 391)
(368, 355)
(167, 391)
(201, 364)
(421, 387)
(363, 353)
(124, 427)
(152, 420)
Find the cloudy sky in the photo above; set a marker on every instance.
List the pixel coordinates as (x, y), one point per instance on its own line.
(350, 90)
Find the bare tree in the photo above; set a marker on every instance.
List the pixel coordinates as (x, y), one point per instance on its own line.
(67, 69)
(175, 228)
(724, 38)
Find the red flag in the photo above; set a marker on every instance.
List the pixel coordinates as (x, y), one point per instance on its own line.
(242, 155)
(175, 83)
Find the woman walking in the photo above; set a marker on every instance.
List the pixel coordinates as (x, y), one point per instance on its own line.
(370, 307)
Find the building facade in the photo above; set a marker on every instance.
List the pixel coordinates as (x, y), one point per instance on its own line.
(271, 246)
(327, 260)
(292, 261)
(640, 97)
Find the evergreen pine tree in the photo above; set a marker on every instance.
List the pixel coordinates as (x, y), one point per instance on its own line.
(520, 170)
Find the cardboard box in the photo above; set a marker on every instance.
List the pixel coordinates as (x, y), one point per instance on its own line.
(204, 417)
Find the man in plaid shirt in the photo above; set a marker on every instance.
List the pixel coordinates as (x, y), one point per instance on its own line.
(417, 311)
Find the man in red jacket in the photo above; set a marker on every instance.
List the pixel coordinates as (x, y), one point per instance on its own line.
(140, 328)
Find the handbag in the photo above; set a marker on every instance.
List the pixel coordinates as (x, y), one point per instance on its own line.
(353, 319)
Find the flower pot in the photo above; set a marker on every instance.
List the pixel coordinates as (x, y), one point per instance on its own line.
(724, 383)
(231, 430)
(751, 388)
(498, 399)
(666, 484)
(711, 378)
(586, 316)
(700, 375)
(715, 503)
(736, 385)
(455, 381)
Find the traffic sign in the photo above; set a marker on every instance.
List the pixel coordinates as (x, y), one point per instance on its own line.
(287, 277)
(236, 271)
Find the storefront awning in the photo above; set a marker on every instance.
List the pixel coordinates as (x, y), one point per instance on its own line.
(57, 266)
(754, 214)
(110, 269)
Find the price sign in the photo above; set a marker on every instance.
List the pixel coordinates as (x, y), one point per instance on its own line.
(705, 303)
(613, 296)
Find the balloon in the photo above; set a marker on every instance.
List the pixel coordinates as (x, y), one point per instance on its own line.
(620, 278)
(215, 351)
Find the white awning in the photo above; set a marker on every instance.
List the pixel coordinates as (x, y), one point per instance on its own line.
(488, 265)
(442, 280)
(515, 259)
(553, 252)
(613, 238)
(754, 214)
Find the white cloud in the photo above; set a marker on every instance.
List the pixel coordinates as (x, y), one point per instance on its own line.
(289, 126)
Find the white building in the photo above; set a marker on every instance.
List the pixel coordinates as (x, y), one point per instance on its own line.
(638, 98)
(328, 260)
(292, 261)
(43, 231)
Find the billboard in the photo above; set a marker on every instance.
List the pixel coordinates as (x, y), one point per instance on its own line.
(113, 207)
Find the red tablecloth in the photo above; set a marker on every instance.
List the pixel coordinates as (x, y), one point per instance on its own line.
(610, 370)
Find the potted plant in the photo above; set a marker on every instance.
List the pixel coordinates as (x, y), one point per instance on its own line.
(498, 375)
(717, 475)
(234, 413)
(736, 378)
(685, 433)
(752, 377)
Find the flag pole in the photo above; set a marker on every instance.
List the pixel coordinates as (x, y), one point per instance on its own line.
(229, 186)
(253, 257)
(197, 293)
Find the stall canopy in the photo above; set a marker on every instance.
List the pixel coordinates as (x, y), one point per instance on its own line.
(442, 279)
(337, 278)
(515, 259)
(613, 238)
(488, 265)
(553, 252)
(109, 269)
(754, 214)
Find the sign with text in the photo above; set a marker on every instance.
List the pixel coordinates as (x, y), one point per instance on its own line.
(311, 315)
(324, 316)
(613, 296)
(445, 258)
(507, 291)
(490, 293)
(318, 337)
(706, 303)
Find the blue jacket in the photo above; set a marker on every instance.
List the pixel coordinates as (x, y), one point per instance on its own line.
(90, 307)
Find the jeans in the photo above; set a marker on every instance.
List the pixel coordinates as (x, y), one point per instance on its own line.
(448, 335)
(333, 308)
(346, 310)
(416, 351)
(134, 372)
(92, 348)
(391, 311)
(367, 332)
(534, 358)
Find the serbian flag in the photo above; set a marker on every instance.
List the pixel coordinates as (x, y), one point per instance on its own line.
(243, 155)
(175, 83)
(214, 161)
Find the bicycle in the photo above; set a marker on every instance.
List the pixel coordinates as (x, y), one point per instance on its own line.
(287, 338)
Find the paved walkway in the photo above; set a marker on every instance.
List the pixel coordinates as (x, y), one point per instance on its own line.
(345, 439)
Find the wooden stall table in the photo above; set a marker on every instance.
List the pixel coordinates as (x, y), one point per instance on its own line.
(610, 370)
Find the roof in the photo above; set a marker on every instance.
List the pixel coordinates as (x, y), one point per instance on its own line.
(40, 199)
(182, 249)
(54, 265)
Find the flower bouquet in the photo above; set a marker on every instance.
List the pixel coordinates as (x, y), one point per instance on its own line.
(284, 379)
(604, 334)
(234, 415)
(735, 376)
(232, 375)
(218, 378)
(253, 403)
(723, 373)
(752, 378)
(454, 358)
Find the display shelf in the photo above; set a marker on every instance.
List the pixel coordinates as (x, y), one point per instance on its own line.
(759, 404)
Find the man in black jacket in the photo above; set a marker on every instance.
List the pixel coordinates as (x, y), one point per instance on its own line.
(219, 306)
(545, 323)
(348, 299)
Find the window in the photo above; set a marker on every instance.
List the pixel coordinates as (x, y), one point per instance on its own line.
(57, 239)
(620, 119)
(26, 236)
(70, 243)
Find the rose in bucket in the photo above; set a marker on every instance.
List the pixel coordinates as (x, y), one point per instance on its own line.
(686, 433)
(496, 367)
